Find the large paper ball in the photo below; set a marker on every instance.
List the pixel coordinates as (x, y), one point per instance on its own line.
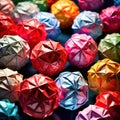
(73, 90)
(38, 96)
(7, 26)
(31, 30)
(49, 57)
(104, 75)
(8, 110)
(111, 101)
(89, 23)
(24, 10)
(6, 6)
(82, 50)
(93, 5)
(9, 79)
(65, 11)
(111, 19)
(93, 112)
(110, 46)
(52, 25)
(14, 52)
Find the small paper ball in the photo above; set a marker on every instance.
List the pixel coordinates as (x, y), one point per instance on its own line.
(104, 75)
(24, 10)
(52, 24)
(9, 79)
(7, 26)
(82, 50)
(31, 30)
(6, 6)
(116, 2)
(65, 11)
(38, 96)
(110, 100)
(50, 2)
(14, 52)
(92, 5)
(8, 110)
(89, 23)
(48, 57)
(73, 90)
(110, 46)
(93, 112)
(111, 19)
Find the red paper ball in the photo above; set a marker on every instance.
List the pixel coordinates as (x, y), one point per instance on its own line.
(38, 96)
(31, 30)
(48, 57)
(50, 2)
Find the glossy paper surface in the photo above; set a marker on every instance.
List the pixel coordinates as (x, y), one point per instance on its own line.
(14, 52)
(49, 57)
(31, 30)
(52, 25)
(104, 75)
(73, 90)
(110, 46)
(82, 50)
(89, 23)
(38, 96)
(65, 11)
(110, 18)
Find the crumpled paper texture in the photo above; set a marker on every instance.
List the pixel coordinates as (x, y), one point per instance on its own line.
(104, 75)
(6, 6)
(110, 100)
(92, 5)
(38, 96)
(110, 17)
(7, 26)
(116, 3)
(9, 79)
(32, 31)
(8, 110)
(24, 10)
(65, 11)
(82, 50)
(50, 2)
(93, 112)
(14, 52)
(73, 90)
(52, 24)
(48, 57)
(89, 23)
(109, 47)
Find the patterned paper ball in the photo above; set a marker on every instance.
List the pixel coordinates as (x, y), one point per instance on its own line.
(82, 50)
(65, 11)
(104, 75)
(14, 52)
(73, 90)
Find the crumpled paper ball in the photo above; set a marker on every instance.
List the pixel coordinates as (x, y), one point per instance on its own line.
(116, 3)
(104, 75)
(93, 112)
(7, 26)
(110, 46)
(8, 110)
(52, 25)
(110, 100)
(38, 96)
(24, 10)
(32, 31)
(14, 52)
(110, 17)
(89, 23)
(65, 11)
(73, 90)
(6, 6)
(9, 79)
(92, 5)
(48, 57)
(50, 2)
(82, 50)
